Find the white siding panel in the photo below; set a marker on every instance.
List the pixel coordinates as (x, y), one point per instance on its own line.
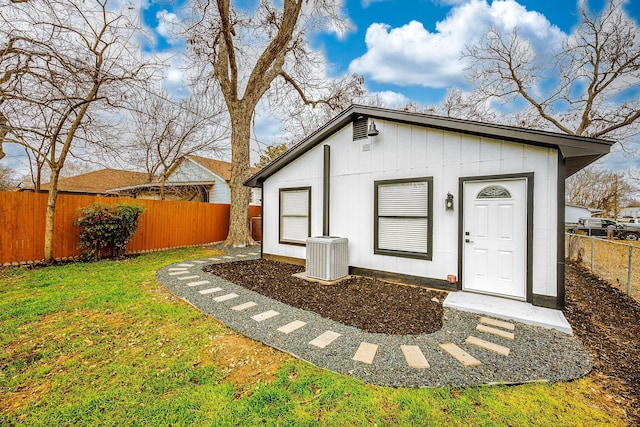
(418, 159)
(220, 193)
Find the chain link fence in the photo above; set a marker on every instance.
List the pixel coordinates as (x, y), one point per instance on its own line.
(616, 262)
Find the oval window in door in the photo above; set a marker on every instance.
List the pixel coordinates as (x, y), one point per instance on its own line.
(494, 192)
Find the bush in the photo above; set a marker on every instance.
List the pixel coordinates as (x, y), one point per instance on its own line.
(107, 227)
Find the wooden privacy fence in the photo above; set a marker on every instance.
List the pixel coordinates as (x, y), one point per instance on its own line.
(164, 224)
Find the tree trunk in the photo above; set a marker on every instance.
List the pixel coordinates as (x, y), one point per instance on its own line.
(4, 130)
(49, 216)
(162, 187)
(239, 234)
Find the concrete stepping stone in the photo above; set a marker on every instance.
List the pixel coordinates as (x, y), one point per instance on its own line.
(228, 257)
(265, 315)
(225, 297)
(253, 253)
(366, 353)
(244, 306)
(494, 331)
(323, 340)
(460, 355)
(209, 291)
(292, 326)
(414, 356)
(214, 259)
(499, 323)
(178, 269)
(198, 261)
(199, 283)
(178, 273)
(241, 255)
(185, 265)
(487, 345)
(188, 277)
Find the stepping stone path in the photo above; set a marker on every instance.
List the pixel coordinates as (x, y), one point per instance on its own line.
(414, 356)
(366, 352)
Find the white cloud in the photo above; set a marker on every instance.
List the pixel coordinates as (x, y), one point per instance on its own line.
(391, 99)
(168, 22)
(412, 55)
(367, 3)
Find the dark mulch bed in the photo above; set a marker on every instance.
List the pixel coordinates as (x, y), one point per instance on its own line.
(369, 304)
(607, 322)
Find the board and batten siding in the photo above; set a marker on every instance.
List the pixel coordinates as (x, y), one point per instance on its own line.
(403, 151)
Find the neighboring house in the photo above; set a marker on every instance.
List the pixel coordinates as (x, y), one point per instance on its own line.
(97, 182)
(429, 200)
(572, 213)
(193, 178)
(632, 211)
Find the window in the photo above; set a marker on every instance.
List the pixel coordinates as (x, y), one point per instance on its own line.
(256, 196)
(403, 220)
(295, 217)
(494, 192)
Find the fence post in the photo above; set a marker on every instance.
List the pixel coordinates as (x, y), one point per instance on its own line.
(629, 271)
(593, 253)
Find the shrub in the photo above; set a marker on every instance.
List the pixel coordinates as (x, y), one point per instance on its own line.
(107, 227)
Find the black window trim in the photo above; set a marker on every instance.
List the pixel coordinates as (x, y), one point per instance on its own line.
(291, 242)
(405, 254)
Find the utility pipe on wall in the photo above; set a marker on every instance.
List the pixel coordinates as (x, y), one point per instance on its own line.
(326, 190)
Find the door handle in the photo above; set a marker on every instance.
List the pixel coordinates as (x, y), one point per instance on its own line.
(468, 241)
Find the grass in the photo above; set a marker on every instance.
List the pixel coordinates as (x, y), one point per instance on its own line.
(105, 344)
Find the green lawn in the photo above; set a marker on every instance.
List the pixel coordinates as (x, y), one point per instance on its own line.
(104, 344)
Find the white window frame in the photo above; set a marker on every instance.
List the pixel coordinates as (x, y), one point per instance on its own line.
(389, 238)
(296, 214)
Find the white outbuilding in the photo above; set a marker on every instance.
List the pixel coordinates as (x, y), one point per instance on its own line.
(428, 200)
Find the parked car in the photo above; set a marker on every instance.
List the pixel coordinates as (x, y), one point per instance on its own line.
(600, 226)
(632, 223)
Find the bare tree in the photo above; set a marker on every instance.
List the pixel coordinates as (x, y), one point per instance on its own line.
(585, 88)
(63, 64)
(600, 189)
(249, 54)
(165, 130)
(8, 180)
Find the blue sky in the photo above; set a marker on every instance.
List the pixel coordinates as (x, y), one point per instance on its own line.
(410, 49)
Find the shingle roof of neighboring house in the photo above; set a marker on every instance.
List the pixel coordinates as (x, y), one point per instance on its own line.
(219, 167)
(578, 151)
(98, 182)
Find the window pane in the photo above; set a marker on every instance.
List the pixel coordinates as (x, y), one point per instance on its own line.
(403, 234)
(295, 202)
(295, 228)
(494, 192)
(403, 199)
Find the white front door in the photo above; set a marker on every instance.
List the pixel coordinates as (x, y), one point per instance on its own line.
(494, 237)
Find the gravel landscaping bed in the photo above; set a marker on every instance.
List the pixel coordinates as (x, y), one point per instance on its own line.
(537, 354)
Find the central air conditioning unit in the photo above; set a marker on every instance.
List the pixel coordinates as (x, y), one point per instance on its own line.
(327, 258)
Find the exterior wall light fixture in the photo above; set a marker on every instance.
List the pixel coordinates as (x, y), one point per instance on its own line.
(448, 203)
(372, 129)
